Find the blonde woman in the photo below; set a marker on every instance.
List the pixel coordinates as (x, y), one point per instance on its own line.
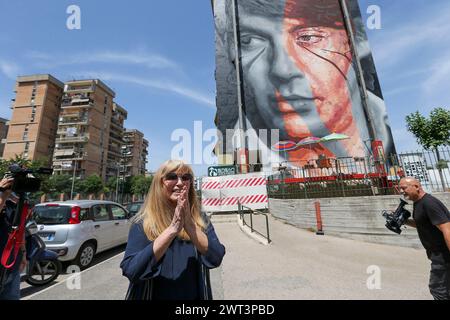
(171, 244)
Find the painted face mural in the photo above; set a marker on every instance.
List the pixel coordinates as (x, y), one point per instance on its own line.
(299, 76)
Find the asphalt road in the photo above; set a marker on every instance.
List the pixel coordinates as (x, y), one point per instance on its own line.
(297, 265)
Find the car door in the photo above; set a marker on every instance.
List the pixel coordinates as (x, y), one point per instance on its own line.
(120, 218)
(103, 226)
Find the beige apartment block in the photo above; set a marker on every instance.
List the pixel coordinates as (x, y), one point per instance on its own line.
(83, 134)
(32, 128)
(116, 132)
(3, 133)
(135, 151)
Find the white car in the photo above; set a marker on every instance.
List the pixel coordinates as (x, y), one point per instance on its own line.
(79, 229)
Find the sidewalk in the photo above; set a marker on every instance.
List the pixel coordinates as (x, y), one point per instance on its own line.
(298, 264)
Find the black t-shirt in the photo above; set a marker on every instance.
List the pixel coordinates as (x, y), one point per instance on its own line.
(428, 213)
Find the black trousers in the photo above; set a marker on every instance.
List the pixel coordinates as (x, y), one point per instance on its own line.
(439, 277)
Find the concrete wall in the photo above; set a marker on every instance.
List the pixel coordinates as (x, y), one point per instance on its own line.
(356, 218)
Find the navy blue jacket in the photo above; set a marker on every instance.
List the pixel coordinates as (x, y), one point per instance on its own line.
(182, 273)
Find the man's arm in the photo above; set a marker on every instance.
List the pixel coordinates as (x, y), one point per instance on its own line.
(411, 223)
(445, 229)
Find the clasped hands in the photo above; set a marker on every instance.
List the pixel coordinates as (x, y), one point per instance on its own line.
(182, 217)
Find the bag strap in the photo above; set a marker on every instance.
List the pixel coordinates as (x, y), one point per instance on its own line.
(15, 241)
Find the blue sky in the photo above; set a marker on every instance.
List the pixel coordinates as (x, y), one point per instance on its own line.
(159, 58)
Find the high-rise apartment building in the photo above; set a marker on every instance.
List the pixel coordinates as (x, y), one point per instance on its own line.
(3, 133)
(32, 128)
(134, 153)
(116, 133)
(75, 126)
(84, 129)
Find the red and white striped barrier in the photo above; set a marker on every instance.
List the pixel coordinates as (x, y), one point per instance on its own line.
(224, 193)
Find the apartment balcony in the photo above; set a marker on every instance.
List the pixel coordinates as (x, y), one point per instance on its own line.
(72, 153)
(117, 139)
(117, 123)
(73, 118)
(118, 131)
(63, 165)
(80, 89)
(81, 104)
(113, 155)
(73, 139)
(63, 130)
(74, 114)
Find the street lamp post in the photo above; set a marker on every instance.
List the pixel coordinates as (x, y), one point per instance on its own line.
(73, 179)
(117, 183)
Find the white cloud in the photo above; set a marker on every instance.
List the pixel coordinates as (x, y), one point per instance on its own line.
(9, 69)
(399, 90)
(439, 77)
(148, 60)
(421, 49)
(192, 94)
(392, 46)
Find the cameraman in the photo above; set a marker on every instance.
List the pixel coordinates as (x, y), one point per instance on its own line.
(432, 220)
(10, 290)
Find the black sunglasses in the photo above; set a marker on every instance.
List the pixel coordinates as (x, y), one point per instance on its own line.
(172, 176)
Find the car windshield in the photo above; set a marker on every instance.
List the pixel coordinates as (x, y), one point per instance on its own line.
(134, 207)
(51, 214)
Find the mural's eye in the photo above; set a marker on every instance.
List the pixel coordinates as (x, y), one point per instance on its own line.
(250, 41)
(308, 39)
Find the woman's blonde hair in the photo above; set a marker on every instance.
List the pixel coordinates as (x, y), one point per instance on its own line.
(157, 212)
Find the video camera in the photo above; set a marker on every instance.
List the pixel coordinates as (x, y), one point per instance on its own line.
(394, 220)
(23, 179)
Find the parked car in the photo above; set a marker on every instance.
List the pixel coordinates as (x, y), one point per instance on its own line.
(134, 207)
(77, 230)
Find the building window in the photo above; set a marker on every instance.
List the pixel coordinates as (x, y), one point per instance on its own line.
(33, 114)
(26, 149)
(25, 133)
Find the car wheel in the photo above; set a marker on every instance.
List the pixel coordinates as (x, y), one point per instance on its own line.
(44, 272)
(85, 255)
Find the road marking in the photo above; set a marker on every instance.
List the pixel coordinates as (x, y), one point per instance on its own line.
(63, 281)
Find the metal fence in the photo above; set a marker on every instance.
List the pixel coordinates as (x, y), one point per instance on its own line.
(243, 210)
(365, 176)
(432, 168)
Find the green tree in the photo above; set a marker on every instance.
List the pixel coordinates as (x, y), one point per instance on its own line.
(125, 187)
(111, 186)
(431, 133)
(140, 185)
(91, 185)
(4, 164)
(57, 184)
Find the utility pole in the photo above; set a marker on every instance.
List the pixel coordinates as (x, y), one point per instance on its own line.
(117, 183)
(242, 157)
(73, 178)
(359, 71)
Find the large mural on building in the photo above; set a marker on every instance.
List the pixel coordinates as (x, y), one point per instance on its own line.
(298, 73)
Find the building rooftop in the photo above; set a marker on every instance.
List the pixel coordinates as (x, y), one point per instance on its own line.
(97, 82)
(40, 77)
